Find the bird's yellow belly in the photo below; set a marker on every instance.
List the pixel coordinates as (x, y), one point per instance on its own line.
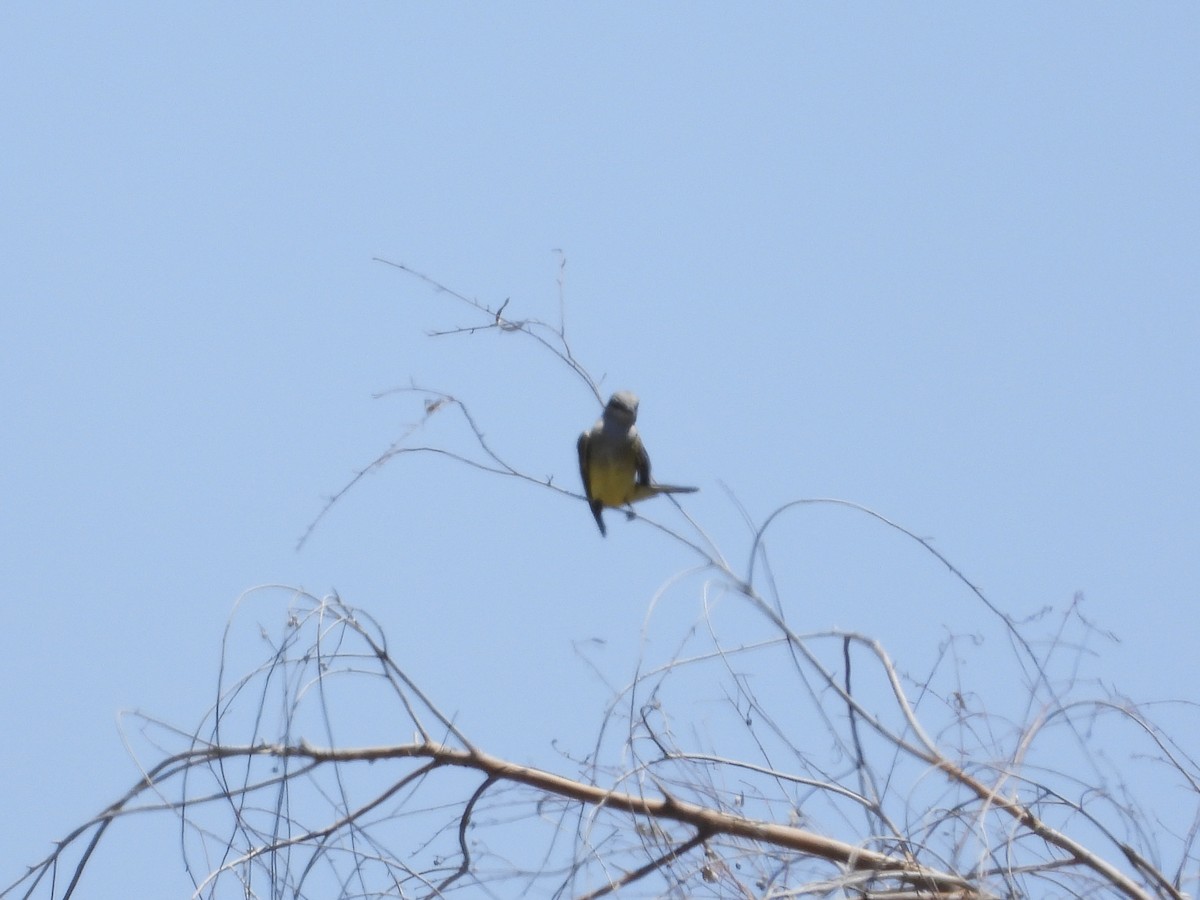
(612, 481)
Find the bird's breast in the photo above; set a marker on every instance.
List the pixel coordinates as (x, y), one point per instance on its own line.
(611, 478)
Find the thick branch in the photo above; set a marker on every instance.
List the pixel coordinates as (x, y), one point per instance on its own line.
(704, 820)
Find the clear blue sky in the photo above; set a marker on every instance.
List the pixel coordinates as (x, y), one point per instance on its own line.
(940, 260)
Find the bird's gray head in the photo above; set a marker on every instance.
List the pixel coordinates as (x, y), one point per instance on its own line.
(622, 407)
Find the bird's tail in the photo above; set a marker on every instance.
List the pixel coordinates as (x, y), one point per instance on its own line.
(646, 491)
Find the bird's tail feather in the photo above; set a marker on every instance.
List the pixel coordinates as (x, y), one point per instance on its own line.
(646, 491)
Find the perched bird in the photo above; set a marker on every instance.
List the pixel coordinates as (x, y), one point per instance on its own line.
(613, 462)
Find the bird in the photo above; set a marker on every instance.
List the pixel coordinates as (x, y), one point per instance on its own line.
(613, 462)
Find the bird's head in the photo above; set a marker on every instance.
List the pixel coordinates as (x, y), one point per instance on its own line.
(622, 408)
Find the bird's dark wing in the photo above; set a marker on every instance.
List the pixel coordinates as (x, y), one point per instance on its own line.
(582, 446)
(595, 505)
(643, 460)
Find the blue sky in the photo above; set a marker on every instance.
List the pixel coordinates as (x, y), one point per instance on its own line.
(937, 260)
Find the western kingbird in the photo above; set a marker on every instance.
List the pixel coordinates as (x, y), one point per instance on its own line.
(613, 461)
